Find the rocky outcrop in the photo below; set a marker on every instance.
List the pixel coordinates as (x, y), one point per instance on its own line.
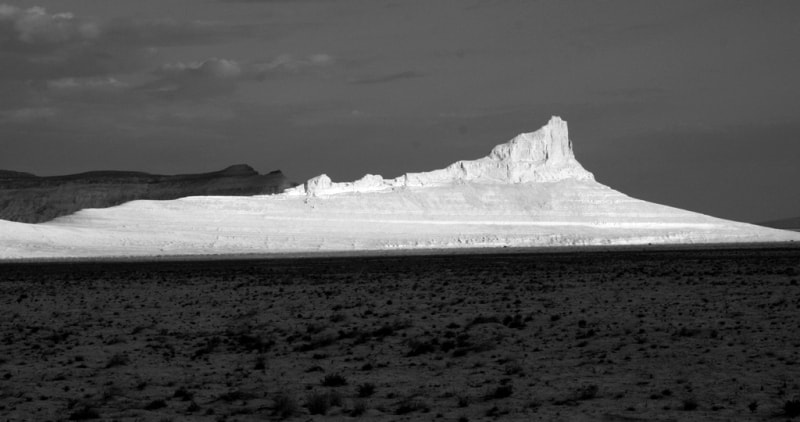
(529, 192)
(32, 199)
(542, 156)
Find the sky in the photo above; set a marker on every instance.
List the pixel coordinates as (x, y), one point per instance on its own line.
(692, 104)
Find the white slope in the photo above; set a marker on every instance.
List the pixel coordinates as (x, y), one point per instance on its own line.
(528, 192)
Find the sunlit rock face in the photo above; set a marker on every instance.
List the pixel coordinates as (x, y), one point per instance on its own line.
(542, 156)
(528, 192)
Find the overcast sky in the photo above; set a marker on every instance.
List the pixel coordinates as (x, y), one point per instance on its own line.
(692, 104)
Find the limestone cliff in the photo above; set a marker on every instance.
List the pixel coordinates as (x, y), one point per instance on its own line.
(541, 156)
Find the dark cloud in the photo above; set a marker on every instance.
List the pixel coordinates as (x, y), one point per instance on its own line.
(167, 32)
(35, 30)
(215, 77)
(195, 80)
(409, 74)
(36, 44)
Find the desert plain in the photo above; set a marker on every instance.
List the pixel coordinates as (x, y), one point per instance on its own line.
(617, 335)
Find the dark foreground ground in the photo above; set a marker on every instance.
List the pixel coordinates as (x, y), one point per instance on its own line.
(596, 336)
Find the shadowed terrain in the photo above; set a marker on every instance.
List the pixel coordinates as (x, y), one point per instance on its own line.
(27, 198)
(593, 336)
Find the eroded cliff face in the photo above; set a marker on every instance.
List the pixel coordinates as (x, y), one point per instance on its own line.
(32, 199)
(542, 156)
(528, 192)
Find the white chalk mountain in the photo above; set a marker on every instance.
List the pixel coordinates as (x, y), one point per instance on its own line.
(530, 191)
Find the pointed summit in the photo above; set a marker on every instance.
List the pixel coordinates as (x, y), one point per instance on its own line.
(548, 144)
(537, 157)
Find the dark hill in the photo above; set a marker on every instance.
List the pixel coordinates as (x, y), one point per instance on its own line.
(28, 198)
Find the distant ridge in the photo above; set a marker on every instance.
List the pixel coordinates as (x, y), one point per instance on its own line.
(27, 198)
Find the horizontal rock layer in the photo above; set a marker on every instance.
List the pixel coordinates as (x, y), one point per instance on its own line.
(528, 192)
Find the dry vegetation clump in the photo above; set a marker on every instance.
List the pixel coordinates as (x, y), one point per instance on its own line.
(633, 335)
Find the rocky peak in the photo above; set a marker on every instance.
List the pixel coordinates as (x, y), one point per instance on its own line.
(548, 144)
(537, 157)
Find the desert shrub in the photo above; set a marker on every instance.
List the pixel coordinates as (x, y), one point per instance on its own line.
(335, 398)
(261, 363)
(317, 403)
(365, 390)
(687, 332)
(207, 347)
(500, 392)
(337, 317)
(513, 368)
(118, 359)
(514, 322)
(320, 403)
(359, 408)
(323, 340)
(251, 342)
(232, 396)
(480, 319)
(689, 404)
(417, 347)
(447, 346)
(334, 380)
(83, 413)
(183, 394)
(587, 392)
(111, 391)
(156, 404)
(791, 408)
(411, 404)
(285, 406)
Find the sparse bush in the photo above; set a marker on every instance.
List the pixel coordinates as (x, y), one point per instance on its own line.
(333, 380)
(320, 403)
(317, 403)
(791, 408)
(206, 347)
(480, 319)
(515, 322)
(118, 359)
(513, 368)
(338, 317)
(322, 340)
(261, 363)
(365, 390)
(500, 392)
(587, 392)
(417, 348)
(411, 404)
(183, 394)
(689, 404)
(232, 396)
(156, 404)
(359, 408)
(285, 405)
(250, 342)
(83, 413)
